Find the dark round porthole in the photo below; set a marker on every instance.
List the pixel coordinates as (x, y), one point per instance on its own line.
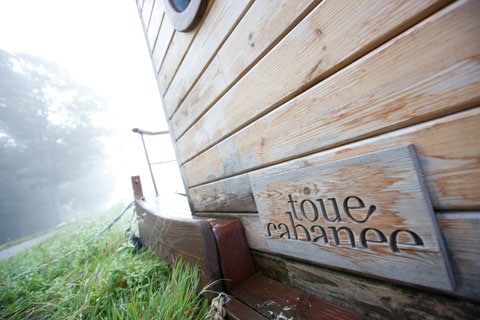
(180, 5)
(185, 14)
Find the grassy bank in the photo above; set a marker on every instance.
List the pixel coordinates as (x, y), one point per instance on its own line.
(102, 280)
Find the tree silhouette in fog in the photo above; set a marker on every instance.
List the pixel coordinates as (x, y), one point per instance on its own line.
(51, 160)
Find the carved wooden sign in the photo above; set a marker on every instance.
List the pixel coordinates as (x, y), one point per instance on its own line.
(371, 214)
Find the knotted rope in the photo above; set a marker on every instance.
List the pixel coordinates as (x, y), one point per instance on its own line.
(217, 310)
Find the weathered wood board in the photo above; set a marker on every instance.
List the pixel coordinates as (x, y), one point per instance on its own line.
(378, 299)
(165, 35)
(321, 45)
(287, 302)
(383, 91)
(178, 48)
(229, 195)
(221, 19)
(266, 89)
(174, 237)
(461, 231)
(451, 166)
(262, 26)
(370, 214)
(154, 25)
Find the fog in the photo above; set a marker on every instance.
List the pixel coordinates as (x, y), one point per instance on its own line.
(75, 78)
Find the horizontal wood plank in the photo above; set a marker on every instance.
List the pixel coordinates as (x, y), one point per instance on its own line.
(320, 45)
(237, 310)
(164, 38)
(177, 50)
(218, 23)
(461, 231)
(447, 148)
(264, 24)
(230, 195)
(348, 214)
(384, 91)
(174, 56)
(379, 299)
(276, 300)
(461, 234)
(155, 22)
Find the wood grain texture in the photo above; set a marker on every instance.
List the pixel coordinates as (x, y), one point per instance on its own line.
(461, 231)
(253, 231)
(400, 84)
(155, 22)
(177, 50)
(379, 300)
(262, 26)
(233, 252)
(448, 151)
(191, 108)
(320, 45)
(237, 310)
(164, 38)
(253, 227)
(218, 23)
(388, 198)
(229, 195)
(181, 238)
(276, 300)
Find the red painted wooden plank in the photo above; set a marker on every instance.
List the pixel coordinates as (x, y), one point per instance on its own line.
(234, 255)
(276, 300)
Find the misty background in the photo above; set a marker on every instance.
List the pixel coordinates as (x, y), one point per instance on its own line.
(75, 78)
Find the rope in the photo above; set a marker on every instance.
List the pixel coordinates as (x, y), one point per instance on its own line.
(217, 310)
(43, 266)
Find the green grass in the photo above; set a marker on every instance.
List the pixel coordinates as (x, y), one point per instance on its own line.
(102, 280)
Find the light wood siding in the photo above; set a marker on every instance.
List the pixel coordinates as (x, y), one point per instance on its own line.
(276, 85)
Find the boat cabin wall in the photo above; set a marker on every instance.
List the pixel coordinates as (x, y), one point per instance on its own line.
(260, 91)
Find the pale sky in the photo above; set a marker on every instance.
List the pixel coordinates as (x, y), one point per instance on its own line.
(102, 45)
